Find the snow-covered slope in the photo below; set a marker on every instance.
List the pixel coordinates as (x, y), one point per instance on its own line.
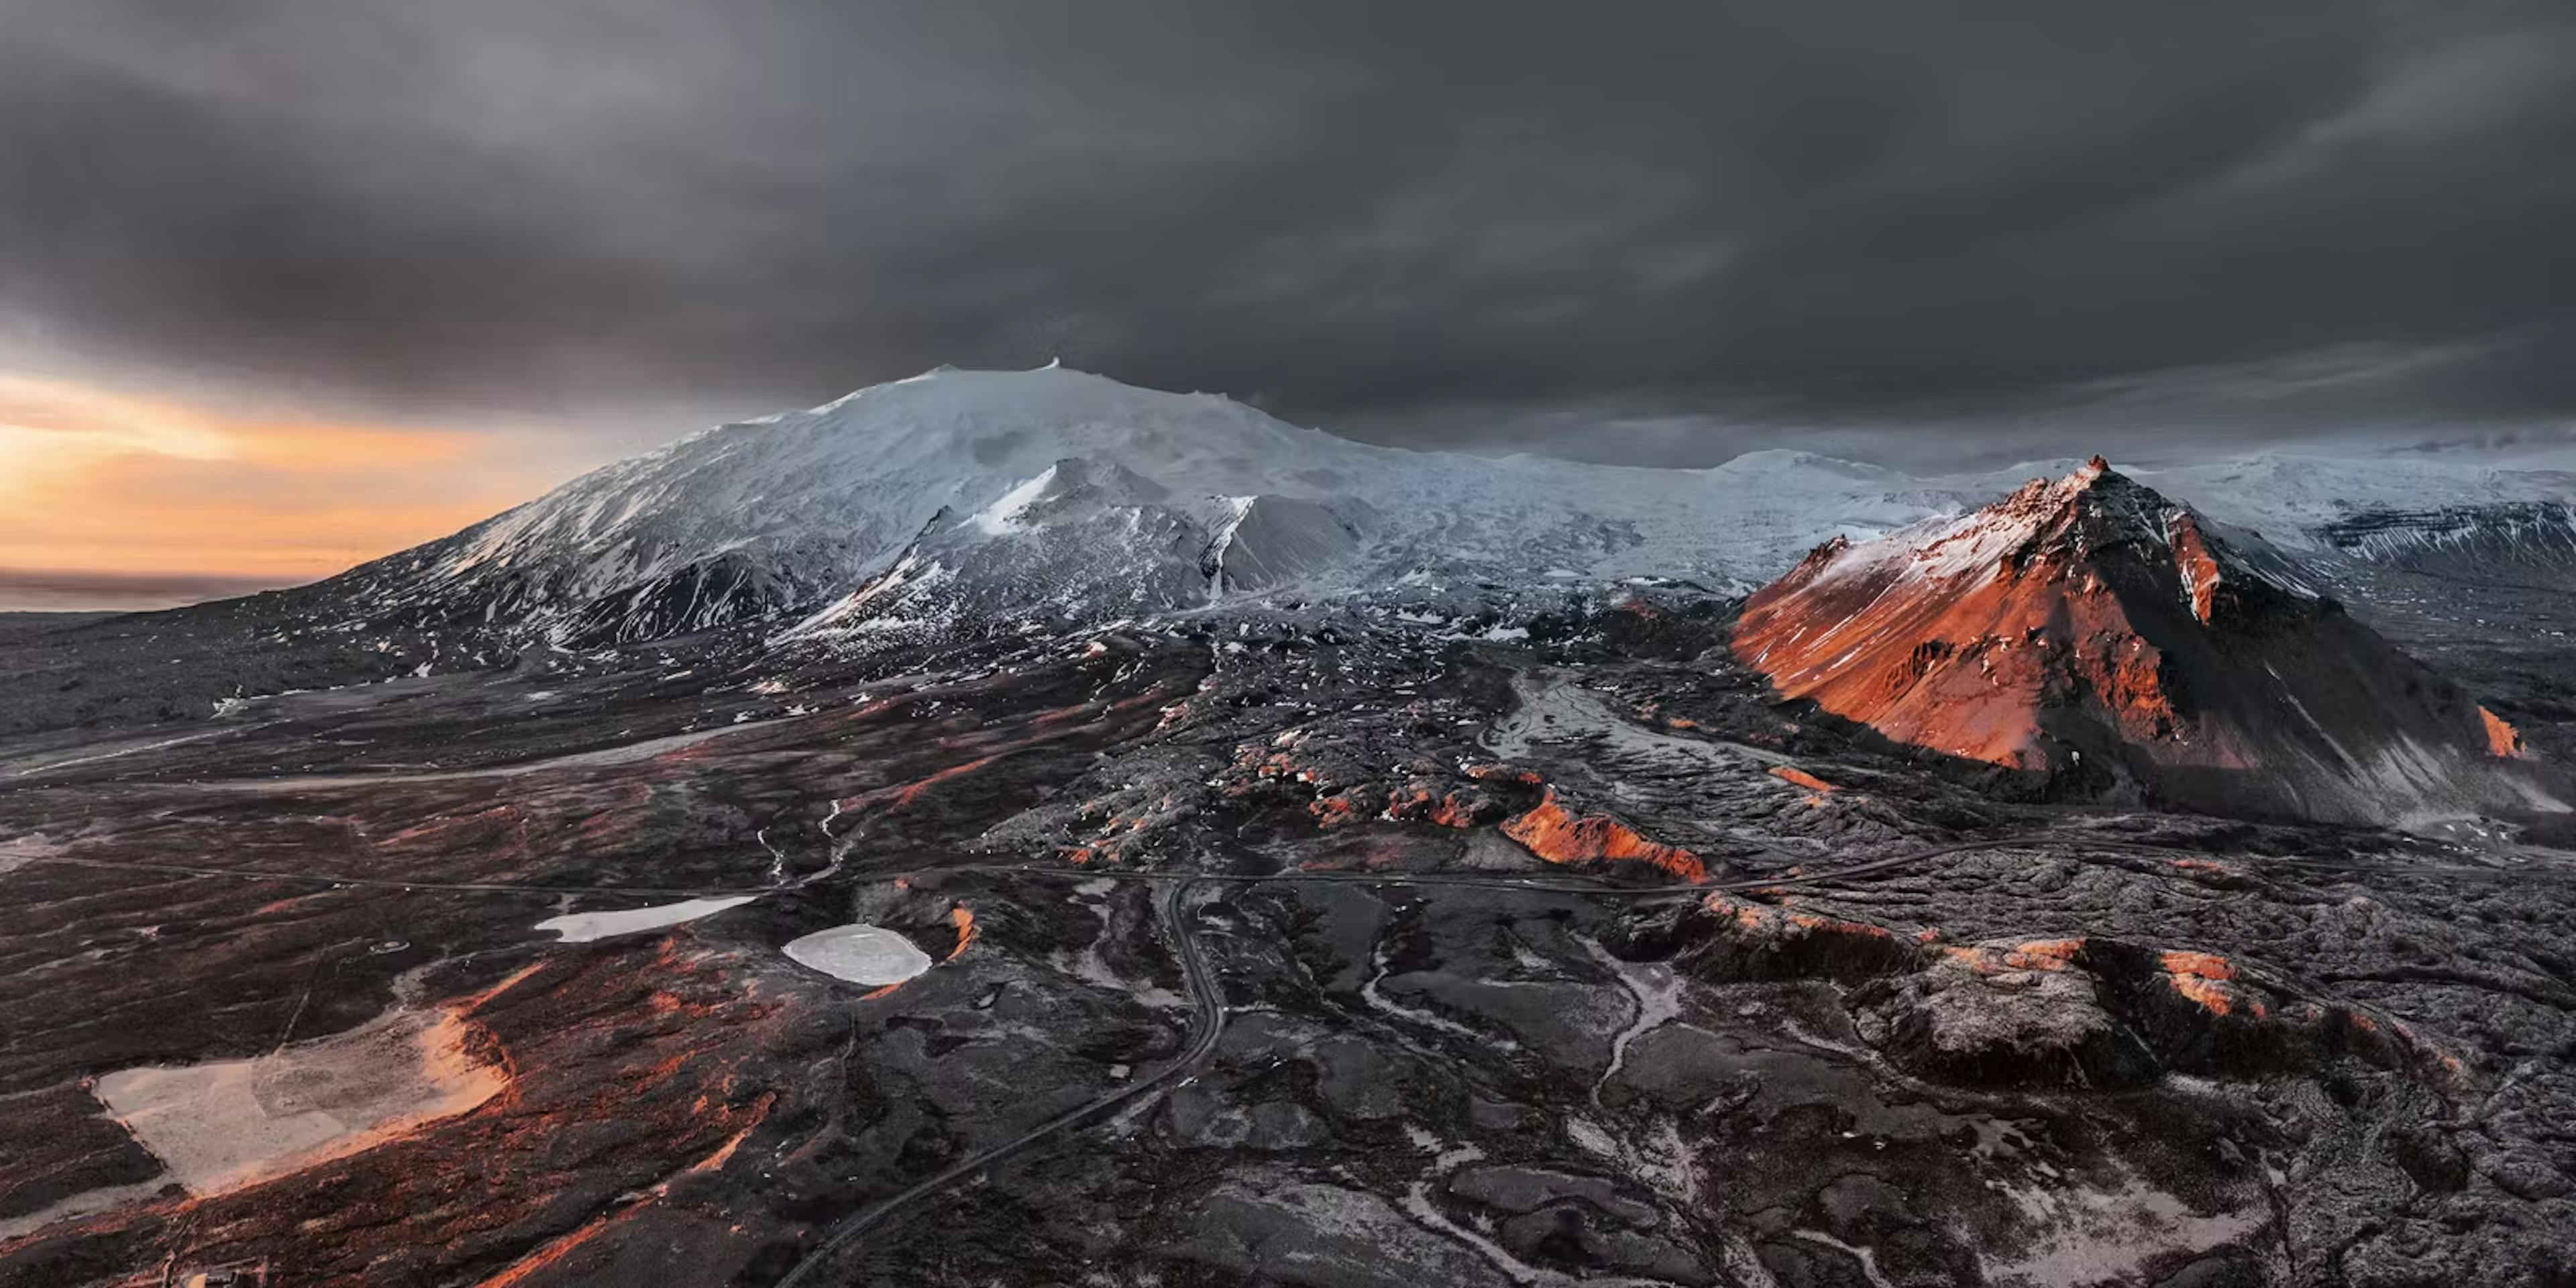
(982, 500)
(2328, 505)
(2469, 540)
(1052, 492)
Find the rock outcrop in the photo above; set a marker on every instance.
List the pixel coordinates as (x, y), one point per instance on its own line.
(1560, 835)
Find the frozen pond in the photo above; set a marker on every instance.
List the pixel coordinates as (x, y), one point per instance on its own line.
(231, 1123)
(583, 927)
(861, 954)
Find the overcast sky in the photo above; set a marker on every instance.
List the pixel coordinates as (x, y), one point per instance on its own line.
(1645, 232)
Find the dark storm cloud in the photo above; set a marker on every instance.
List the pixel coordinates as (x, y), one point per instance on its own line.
(1505, 224)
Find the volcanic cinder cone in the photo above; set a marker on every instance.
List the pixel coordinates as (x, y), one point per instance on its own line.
(2094, 632)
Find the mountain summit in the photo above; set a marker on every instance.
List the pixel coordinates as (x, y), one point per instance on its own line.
(955, 500)
(766, 520)
(2092, 631)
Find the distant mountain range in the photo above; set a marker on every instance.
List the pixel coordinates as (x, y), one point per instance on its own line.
(962, 501)
(2170, 634)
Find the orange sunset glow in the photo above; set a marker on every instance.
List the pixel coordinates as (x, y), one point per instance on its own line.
(100, 481)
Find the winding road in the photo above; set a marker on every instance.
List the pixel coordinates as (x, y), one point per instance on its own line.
(1207, 1024)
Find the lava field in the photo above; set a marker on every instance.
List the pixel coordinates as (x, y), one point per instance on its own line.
(1282, 947)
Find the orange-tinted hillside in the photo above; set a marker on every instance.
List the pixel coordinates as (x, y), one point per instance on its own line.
(2091, 630)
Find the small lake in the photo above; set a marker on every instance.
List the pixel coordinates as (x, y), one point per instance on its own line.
(860, 954)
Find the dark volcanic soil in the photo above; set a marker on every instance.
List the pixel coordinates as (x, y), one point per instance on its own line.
(1291, 949)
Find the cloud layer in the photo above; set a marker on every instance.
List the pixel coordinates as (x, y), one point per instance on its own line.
(1641, 230)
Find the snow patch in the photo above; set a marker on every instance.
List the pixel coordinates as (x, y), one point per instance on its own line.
(860, 954)
(586, 927)
(1003, 516)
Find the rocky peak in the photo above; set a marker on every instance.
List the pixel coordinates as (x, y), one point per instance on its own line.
(2091, 528)
(2088, 628)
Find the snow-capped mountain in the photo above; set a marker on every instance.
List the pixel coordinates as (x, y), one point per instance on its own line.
(957, 495)
(979, 500)
(2094, 632)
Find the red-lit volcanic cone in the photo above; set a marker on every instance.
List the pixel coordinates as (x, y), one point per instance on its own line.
(2092, 631)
